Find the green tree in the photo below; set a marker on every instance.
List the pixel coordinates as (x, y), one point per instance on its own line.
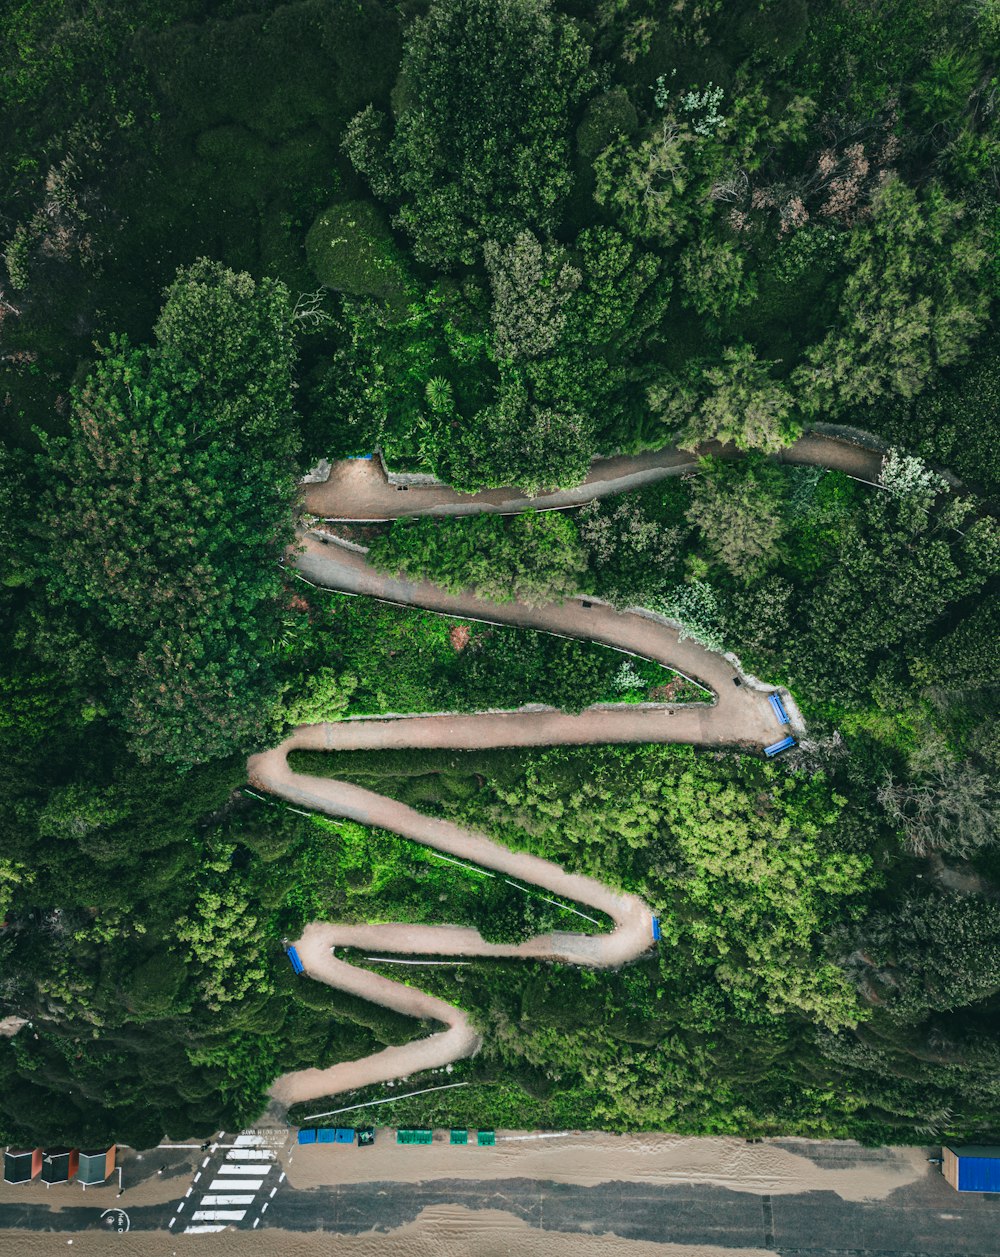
(713, 277)
(523, 440)
(174, 502)
(350, 249)
(623, 295)
(645, 184)
(743, 403)
(933, 953)
(899, 567)
(632, 557)
(532, 284)
(737, 510)
(967, 657)
(913, 301)
(481, 141)
(533, 558)
(325, 695)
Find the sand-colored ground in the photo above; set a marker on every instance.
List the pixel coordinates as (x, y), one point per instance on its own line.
(590, 1158)
(440, 1231)
(738, 713)
(357, 490)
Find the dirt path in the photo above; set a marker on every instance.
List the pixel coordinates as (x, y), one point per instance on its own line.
(357, 489)
(738, 714)
(631, 936)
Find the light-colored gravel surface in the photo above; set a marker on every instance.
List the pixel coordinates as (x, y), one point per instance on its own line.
(357, 490)
(445, 1230)
(739, 714)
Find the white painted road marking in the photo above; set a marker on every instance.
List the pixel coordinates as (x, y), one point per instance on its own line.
(259, 1170)
(200, 1230)
(240, 1185)
(249, 1141)
(227, 1200)
(219, 1215)
(250, 1154)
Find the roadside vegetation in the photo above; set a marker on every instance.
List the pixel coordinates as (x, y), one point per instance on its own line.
(238, 237)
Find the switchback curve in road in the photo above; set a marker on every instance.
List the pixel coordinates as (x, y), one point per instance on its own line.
(357, 489)
(738, 714)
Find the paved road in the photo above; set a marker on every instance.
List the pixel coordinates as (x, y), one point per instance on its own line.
(921, 1218)
(358, 490)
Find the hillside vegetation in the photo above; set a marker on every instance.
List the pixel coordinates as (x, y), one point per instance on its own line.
(496, 239)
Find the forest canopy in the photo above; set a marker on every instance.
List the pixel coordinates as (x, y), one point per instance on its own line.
(494, 240)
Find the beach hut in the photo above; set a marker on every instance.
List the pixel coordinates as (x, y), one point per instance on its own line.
(21, 1165)
(96, 1167)
(972, 1168)
(59, 1165)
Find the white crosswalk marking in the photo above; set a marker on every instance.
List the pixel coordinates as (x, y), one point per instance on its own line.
(228, 1194)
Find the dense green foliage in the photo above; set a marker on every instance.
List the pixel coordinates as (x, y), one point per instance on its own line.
(531, 558)
(495, 238)
(171, 497)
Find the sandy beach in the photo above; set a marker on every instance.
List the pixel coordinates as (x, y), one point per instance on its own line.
(591, 1158)
(440, 1231)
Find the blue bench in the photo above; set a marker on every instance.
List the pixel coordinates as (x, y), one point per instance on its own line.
(343, 1135)
(656, 929)
(778, 707)
(778, 747)
(296, 963)
(325, 1135)
(307, 1136)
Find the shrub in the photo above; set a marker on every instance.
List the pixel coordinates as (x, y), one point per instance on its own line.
(350, 249)
(606, 117)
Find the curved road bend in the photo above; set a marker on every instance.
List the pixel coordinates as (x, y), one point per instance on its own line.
(739, 714)
(631, 936)
(357, 489)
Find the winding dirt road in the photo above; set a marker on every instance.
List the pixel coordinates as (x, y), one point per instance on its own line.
(357, 489)
(738, 714)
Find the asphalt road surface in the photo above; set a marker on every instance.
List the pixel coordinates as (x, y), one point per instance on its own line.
(922, 1218)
